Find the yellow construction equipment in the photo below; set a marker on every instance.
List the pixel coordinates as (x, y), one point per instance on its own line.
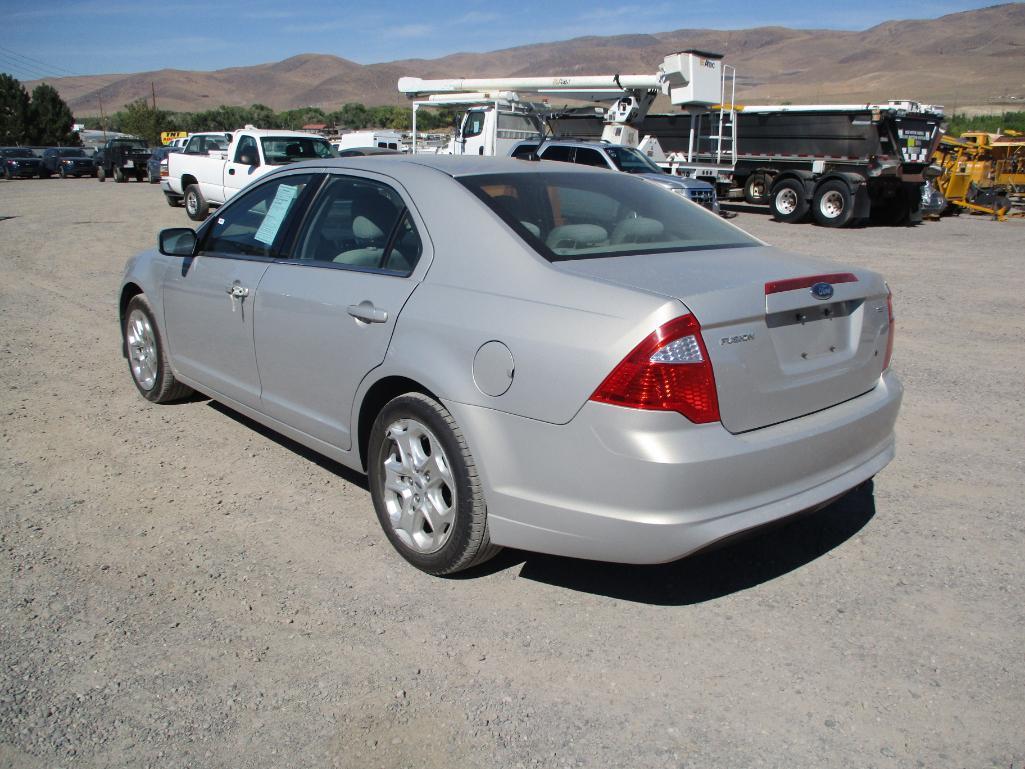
(983, 172)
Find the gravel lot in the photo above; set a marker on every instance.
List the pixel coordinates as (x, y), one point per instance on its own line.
(184, 589)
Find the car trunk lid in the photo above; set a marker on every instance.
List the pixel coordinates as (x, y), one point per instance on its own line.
(778, 351)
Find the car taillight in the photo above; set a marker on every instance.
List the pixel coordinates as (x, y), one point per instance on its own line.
(889, 332)
(668, 371)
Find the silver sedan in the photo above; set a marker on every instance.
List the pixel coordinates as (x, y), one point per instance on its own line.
(534, 355)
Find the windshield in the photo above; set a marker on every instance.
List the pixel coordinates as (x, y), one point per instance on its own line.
(132, 144)
(72, 153)
(279, 150)
(632, 160)
(586, 216)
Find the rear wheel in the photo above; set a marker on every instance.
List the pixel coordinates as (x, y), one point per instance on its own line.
(788, 202)
(147, 355)
(832, 204)
(756, 189)
(425, 487)
(101, 174)
(195, 204)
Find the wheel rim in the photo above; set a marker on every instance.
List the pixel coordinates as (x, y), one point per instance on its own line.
(191, 204)
(831, 204)
(786, 201)
(142, 349)
(419, 488)
(758, 188)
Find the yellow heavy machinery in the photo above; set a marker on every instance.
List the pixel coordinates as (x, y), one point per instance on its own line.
(983, 173)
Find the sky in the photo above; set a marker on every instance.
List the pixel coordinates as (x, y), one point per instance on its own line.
(55, 38)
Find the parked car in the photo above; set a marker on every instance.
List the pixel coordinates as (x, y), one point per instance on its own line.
(67, 161)
(577, 363)
(21, 162)
(353, 152)
(123, 159)
(156, 166)
(617, 158)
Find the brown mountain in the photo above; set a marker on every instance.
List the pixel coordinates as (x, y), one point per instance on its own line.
(973, 58)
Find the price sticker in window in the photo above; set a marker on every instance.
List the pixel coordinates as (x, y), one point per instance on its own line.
(276, 213)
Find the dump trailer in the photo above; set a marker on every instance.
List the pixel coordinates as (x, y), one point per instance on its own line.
(838, 163)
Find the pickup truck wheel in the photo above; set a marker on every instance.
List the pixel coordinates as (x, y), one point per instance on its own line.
(101, 174)
(832, 205)
(195, 204)
(119, 175)
(788, 202)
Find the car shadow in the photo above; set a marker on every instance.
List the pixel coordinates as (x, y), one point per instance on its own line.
(336, 468)
(727, 567)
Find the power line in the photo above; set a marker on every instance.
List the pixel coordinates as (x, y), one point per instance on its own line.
(37, 64)
(18, 67)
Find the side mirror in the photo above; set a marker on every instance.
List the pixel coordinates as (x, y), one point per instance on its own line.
(178, 241)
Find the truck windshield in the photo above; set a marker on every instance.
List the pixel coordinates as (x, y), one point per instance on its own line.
(279, 150)
(633, 161)
(592, 215)
(131, 144)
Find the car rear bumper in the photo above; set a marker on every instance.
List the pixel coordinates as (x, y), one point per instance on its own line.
(633, 486)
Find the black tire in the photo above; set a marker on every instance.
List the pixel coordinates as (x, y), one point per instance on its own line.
(172, 201)
(195, 204)
(832, 204)
(119, 175)
(101, 174)
(467, 542)
(62, 172)
(154, 179)
(7, 173)
(756, 189)
(788, 202)
(164, 387)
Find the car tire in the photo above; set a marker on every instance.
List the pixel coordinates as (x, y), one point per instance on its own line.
(788, 202)
(832, 204)
(401, 479)
(756, 189)
(147, 355)
(195, 204)
(101, 174)
(7, 173)
(62, 172)
(119, 175)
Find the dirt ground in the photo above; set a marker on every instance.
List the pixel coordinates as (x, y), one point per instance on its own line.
(184, 589)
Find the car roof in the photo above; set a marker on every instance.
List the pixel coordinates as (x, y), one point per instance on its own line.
(450, 165)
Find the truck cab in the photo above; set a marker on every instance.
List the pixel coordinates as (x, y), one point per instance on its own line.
(494, 130)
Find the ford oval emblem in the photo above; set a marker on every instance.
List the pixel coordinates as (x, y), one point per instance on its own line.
(822, 291)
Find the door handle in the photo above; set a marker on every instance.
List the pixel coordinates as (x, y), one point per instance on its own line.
(366, 312)
(237, 292)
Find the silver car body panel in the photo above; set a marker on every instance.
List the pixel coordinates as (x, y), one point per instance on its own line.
(561, 474)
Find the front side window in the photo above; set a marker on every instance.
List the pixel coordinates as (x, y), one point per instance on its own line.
(632, 160)
(587, 215)
(474, 124)
(254, 223)
(279, 150)
(363, 224)
(247, 149)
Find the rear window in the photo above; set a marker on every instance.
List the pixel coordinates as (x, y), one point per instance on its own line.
(71, 153)
(586, 216)
(287, 149)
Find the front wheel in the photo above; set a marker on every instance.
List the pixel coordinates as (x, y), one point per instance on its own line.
(119, 175)
(147, 355)
(425, 487)
(195, 204)
(101, 173)
(832, 204)
(63, 172)
(788, 201)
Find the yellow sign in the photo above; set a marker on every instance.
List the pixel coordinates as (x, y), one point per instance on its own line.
(166, 137)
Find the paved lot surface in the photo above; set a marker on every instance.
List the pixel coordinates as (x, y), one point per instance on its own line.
(184, 589)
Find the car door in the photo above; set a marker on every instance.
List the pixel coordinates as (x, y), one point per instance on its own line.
(209, 299)
(326, 313)
(238, 174)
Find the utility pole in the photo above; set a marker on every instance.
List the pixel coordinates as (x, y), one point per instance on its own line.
(156, 128)
(103, 120)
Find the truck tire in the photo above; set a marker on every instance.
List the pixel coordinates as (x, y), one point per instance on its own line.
(195, 204)
(832, 204)
(788, 202)
(101, 174)
(756, 189)
(119, 175)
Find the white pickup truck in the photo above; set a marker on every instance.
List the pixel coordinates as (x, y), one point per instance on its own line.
(202, 181)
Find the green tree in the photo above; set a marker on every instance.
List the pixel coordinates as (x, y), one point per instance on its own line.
(140, 119)
(50, 120)
(14, 111)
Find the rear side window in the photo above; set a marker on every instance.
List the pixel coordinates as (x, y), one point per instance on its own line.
(589, 157)
(252, 224)
(362, 224)
(590, 215)
(562, 154)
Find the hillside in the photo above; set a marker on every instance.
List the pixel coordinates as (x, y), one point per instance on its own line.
(972, 58)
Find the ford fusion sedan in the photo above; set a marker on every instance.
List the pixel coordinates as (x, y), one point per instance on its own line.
(534, 355)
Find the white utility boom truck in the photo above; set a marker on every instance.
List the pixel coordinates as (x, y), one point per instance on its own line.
(498, 120)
